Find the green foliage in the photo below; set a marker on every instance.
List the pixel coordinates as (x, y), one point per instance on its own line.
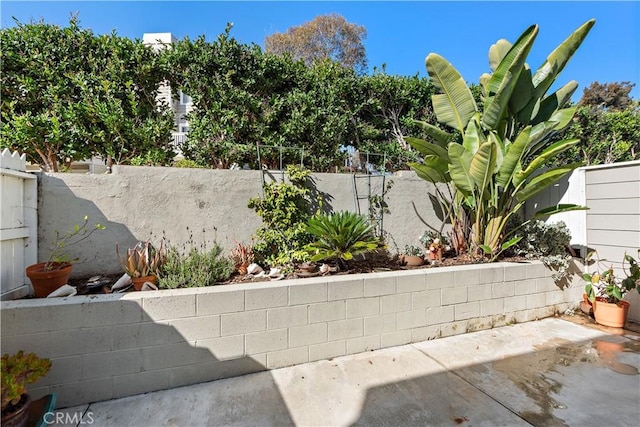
(68, 94)
(194, 266)
(411, 250)
(18, 370)
(186, 163)
(284, 210)
(59, 255)
(503, 143)
(340, 236)
(605, 284)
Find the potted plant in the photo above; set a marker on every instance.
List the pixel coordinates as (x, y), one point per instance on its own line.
(142, 263)
(48, 276)
(18, 370)
(412, 256)
(242, 256)
(605, 291)
(435, 244)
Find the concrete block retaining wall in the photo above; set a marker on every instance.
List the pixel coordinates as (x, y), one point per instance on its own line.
(111, 346)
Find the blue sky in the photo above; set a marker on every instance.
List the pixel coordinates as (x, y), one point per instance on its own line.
(399, 34)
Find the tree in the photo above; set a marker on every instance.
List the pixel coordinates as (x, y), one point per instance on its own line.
(325, 37)
(68, 94)
(608, 96)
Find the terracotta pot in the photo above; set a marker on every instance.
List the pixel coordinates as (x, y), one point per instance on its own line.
(18, 415)
(139, 281)
(45, 281)
(609, 314)
(411, 260)
(435, 255)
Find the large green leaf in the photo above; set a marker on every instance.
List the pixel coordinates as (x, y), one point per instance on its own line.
(459, 166)
(482, 165)
(472, 136)
(441, 137)
(432, 171)
(558, 121)
(504, 79)
(554, 101)
(552, 210)
(522, 93)
(497, 52)
(427, 149)
(544, 180)
(549, 152)
(455, 105)
(513, 157)
(556, 61)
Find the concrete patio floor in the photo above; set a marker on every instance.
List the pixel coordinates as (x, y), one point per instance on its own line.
(548, 372)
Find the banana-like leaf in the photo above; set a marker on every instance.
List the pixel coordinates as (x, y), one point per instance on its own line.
(549, 152)
(455, 105)
(506, 245)
(441, 137)
(523, 92)
(554, 101)
(483, 164)
(484, 82)
(564, 207)
(513, 158)
(472, 136)
(497, 52)
(500, 148)
(427, 149)
(432, 172)
(544, 180)
(459, 166)
(558, 121)
(504, 79)
(556, 61)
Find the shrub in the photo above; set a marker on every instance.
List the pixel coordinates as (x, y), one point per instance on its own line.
(18, 370)
(340, 236)
(194, 266)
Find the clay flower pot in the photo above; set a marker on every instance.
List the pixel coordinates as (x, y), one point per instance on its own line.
(609, 314)
(411, 260)
(139, 281)
(47, 278)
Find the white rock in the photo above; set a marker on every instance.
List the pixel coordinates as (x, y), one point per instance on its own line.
(94, 279)
(122, 283)
(148, 286)
(63, 291)
(324, 268)
(254, 269)
(274, 272)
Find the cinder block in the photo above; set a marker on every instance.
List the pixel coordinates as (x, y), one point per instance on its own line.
(378, 324)
(327, 350)
(76, 393)
(196, 328)
(395, 303)
(145, 335)
(535, 300)
(391, 339)
(341, 329)
(292, 356)
(308, 294)
(515, 272)
(424, 299)
(438, 315)
(219, 302)
(327, 311)
(263, 342)
(553, 297)
(525, 316)
(453, 328)
(467, 311)
(31, 317)
(491, 307)
(308, 334)
(63, 370)
(242, 323)
(363, 307)
(278, 318)
(168, 356)
(480, 292)
(362, 344)
(113, 363)
(513, 304)
(100, 339)
(49, 344)
(544, 312)
(141, 382)
(465, 276)
(425, 333)
(525, 287)
(411, 319)
(480, 324)
(502, 290)
(536, 269)
(255, 299)
(165, 307)
(102, 313)
(382, 284)
(439, 279)
(414, 282)
(223, 348)
(492, 274)
(454, 295)
(345, 289)
(546, 284)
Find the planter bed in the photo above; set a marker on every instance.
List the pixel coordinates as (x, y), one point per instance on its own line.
(110, 346)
